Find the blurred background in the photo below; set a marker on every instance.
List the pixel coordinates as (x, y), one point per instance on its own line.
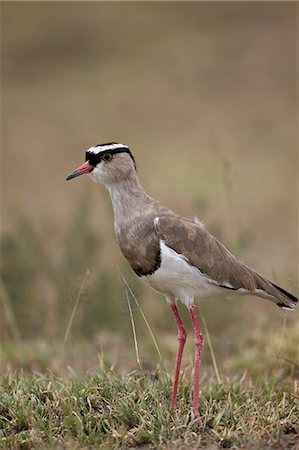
(205, 95)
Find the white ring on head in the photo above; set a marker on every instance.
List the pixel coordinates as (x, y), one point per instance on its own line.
(104, 148)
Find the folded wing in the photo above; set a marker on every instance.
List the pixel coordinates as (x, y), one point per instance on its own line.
(206, 253)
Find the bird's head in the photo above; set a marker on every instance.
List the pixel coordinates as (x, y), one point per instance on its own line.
(107, 163)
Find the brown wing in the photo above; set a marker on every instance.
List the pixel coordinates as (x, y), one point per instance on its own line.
(139, 243)
(206, 253)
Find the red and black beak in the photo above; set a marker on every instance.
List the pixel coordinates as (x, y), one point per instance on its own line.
(85, 168)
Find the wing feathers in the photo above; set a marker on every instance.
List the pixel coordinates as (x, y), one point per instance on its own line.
(206, 253)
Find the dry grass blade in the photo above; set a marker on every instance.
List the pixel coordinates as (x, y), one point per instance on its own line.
(144, 318)
(133, 330)
(211, 348)
(80, 292)
(279, 357)
(9, 312)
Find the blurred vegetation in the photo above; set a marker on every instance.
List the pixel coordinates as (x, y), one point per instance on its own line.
(205, 94)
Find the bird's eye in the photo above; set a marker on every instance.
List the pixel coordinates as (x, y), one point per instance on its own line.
(107, 157)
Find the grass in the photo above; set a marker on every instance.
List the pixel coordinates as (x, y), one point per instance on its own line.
(108, 411)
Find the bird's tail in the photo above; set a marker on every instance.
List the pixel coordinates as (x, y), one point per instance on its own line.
(283, 298)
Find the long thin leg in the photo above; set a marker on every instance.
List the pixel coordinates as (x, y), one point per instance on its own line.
(199, 339)
(182, 339)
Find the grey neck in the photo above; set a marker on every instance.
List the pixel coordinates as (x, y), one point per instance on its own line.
(129, 200)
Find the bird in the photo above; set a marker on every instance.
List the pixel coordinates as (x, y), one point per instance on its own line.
(174, 255)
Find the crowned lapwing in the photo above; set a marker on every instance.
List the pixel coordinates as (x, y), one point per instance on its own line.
(176, 256)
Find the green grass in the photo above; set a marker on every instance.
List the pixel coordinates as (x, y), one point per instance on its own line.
(108, 411)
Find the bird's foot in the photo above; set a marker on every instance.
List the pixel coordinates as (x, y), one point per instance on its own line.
(196, 419)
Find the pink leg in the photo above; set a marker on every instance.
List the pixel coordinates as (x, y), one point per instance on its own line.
(182, 339)
(199, 338)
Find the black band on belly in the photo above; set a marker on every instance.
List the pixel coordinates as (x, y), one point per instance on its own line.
(144, 271)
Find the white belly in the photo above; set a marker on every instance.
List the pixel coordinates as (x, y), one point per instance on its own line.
(176, 278)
